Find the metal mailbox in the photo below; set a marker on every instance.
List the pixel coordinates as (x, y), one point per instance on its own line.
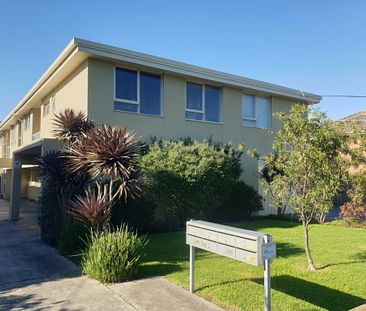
(251, 247)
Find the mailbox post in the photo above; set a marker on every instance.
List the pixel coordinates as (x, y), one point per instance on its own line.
(267, 277)
(250, 247)
(191, 268)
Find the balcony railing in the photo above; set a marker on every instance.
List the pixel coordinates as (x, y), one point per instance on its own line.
(36, 136)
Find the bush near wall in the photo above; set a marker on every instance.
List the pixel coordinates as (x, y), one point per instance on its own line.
(189, 179)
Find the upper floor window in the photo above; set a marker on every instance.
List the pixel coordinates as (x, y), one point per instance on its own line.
(137, 91)
(203, 102)
(256, 111)
(46, 109)
(49, 106)
(28, 122)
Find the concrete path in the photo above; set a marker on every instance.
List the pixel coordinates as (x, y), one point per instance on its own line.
(34, 276)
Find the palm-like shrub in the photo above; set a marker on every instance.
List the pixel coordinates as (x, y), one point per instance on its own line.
(59, 186)
(109, 154)
(70, 125)
(92, 208)
(112, 256)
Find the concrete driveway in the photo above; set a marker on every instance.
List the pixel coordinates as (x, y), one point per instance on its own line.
(34, 276)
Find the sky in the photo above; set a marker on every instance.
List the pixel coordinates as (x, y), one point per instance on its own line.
(315, 46)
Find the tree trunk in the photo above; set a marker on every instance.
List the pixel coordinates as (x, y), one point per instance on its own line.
(311, 265)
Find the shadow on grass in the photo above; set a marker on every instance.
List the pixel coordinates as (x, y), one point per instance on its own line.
(286, 250)
(221, 283)
(160, 269)
(319, 295)
(359, 258)
(258, 223)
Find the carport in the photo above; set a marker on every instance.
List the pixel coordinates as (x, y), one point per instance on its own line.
(23, 158)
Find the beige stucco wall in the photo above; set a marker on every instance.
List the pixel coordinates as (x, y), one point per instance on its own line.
(71, 93)
(173, 124)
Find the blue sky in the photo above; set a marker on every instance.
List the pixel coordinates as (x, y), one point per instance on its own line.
(315, 46)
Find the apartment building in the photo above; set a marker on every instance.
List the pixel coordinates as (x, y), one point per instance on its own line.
(151, 95)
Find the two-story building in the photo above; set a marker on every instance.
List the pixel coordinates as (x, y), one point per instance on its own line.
(151, 95)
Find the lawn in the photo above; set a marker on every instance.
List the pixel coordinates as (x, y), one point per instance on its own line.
(340, 284)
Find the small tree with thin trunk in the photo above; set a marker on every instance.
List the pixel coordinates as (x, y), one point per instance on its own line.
(313, 153)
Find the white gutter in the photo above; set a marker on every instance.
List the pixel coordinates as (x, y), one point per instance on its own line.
(118, 54)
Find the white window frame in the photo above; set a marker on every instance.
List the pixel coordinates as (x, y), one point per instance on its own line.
(46, 108)
(27, 122)
(137, 102)
(255, 112)
(203, 111)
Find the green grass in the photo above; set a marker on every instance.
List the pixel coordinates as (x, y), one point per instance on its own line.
(340, 284)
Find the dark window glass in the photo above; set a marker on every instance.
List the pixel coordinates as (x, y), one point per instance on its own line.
(212, 104)
(194, 115)
(125, 106)
(126, 84)
(150, 93)
(194, 96)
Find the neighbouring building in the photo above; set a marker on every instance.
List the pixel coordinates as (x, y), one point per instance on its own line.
(150, 95)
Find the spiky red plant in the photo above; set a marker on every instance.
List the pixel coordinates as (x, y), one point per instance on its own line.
(92, 208)
(108, 153)
(70, 125)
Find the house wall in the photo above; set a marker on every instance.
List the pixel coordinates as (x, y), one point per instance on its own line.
(71, 93)
(172, 125)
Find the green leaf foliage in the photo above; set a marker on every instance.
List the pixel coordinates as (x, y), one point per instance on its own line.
(112, 256)
(190, 179)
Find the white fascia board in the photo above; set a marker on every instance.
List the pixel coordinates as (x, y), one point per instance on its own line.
(118, 54)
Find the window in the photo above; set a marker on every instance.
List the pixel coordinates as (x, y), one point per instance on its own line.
(19, 133)
(203, 102)
(256, 111)
(34, 178)
(28, 122)
(46, 109)
(137, 92)
(49, 106)
(12, 136)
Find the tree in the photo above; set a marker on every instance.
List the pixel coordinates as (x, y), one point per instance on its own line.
(314, 155)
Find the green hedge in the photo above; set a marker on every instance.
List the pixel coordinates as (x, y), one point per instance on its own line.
(188, 179)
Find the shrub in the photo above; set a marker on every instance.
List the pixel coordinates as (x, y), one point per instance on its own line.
(49, 216)
(139, 214)
(72, 240)
(112, 256)
(241, 202)
(351, 213)
(186, 179)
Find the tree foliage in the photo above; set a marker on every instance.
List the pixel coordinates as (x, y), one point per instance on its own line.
(314, 155)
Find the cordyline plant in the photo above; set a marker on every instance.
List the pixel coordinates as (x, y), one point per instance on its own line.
(313, 155)
(63, 182)
(108, 154)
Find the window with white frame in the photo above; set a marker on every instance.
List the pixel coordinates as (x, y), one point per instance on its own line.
(203, 102)
(13, 136)
(46, 108)
(28, 122)
(256, 111)
(137, 91)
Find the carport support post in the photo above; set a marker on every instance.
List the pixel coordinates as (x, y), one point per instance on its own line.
(15, 189)
(191, 268)
(267, 277)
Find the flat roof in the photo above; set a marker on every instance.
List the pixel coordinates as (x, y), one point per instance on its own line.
(79, 49)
